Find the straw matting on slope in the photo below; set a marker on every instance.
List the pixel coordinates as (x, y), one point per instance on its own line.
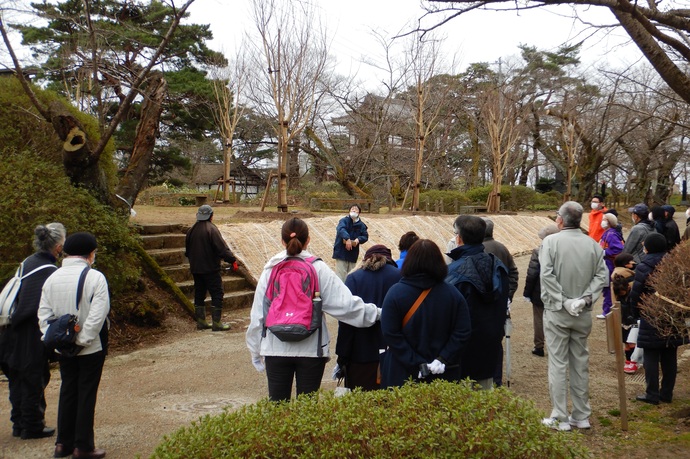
(255, 243)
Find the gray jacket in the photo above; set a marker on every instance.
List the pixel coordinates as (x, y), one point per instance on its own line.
(572, 266)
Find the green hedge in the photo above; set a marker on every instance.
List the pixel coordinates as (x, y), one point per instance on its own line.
(440, 420)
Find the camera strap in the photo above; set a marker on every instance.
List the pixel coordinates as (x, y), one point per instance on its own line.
(415, 306)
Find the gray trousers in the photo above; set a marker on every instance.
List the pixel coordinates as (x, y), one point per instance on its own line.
(566, 343)
(342, 268)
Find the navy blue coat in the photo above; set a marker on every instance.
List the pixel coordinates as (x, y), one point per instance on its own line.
(482, 279)
(648, 337)
(361, 345)
(439, 329)
(348, 229)
(21, 343)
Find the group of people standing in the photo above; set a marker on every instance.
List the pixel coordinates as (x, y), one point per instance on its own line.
(415, 319)
(44, 296)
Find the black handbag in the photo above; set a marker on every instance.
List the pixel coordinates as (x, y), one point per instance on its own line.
(61, 334)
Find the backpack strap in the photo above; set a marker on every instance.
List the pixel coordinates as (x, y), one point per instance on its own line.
(34, 270)
(415, 306)
(80, 285)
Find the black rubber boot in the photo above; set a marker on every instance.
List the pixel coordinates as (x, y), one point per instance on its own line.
(217, 324)
(200, 315)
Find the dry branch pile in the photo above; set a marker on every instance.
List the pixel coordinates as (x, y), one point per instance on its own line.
(669, 309)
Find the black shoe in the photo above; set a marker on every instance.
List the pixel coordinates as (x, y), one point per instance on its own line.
(16, 432)
(645, 399)
(665, 400)
(93, 454)
(46, 432)
(62, 450)
(538, 351)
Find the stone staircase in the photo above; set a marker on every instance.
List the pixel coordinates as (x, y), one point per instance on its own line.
(165, 244)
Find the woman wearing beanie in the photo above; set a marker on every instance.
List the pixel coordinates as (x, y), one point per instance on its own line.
(658, 350)
(358, 349)
(612, 243)
(80, 373)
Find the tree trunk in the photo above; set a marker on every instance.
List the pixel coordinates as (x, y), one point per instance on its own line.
(144, 141)
(293, 165)
(79, 160)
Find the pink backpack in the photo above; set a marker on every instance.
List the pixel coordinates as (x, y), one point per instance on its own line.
(292, 306)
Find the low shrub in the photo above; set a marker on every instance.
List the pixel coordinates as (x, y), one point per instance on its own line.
(440, 419)
(449, 198)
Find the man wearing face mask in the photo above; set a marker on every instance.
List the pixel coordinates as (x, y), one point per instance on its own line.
(351, 232)
(633, 244)
(81, 373)
(595, 217)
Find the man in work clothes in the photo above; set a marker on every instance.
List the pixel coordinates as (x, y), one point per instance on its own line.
(205, 247)
(573, 274)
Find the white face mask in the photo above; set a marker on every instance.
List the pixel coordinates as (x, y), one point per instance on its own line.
(649, 217)
(595, 205)
(604, 224)
(687, 213)
(354, 215)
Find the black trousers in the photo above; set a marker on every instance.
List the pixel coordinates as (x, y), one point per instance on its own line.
(211, 283)
(77, 406)
(668, 359)
(362, 375)
(281, 371)
(27, 396)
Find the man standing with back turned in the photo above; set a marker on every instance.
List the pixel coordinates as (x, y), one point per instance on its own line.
(573, 274)
(205, 247)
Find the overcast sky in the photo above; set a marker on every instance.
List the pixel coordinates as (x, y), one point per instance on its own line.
(479, 36)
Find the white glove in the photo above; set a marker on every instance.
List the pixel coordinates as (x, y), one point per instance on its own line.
(258, 363)
(378, 314)
(436, 367)
(526, 298)
(574, 307)
(336, 372)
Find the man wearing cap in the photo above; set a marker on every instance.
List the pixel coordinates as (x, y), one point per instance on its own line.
(573, 275)
(642, 227)
(595, 217)
(205, 247)
(359, 349)
(80, 374)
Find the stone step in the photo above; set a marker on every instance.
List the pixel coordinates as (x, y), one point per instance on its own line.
(178, 273)
(160, 228)
(230, 284)
(163, 241)
(168, 257)
(235, 300)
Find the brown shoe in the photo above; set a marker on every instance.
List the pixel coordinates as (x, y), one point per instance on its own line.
(62, 450)
(95, 454)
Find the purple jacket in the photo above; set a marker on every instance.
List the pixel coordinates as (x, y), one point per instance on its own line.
(612, 243)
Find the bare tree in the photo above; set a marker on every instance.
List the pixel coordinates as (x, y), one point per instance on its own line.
(228, 87)
(290, 59)
(427, 98)
(659, 29)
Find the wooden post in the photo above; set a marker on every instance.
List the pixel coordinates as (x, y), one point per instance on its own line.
(271, 176)
(613, 326)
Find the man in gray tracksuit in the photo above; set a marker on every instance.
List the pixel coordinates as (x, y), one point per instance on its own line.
(573, 274)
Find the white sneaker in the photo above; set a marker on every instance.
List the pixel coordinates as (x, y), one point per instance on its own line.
(555, 424)
(584, 424)
(601, 316)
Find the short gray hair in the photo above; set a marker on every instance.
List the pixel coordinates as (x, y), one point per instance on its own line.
(489, 232)
(571, 213)
(47, 237)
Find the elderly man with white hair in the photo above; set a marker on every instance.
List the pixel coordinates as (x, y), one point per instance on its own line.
(573, 274)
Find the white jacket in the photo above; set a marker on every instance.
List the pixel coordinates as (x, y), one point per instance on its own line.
(337, 301)
(59, 297)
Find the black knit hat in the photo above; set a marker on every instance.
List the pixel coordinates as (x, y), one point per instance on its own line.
(378, 249)
(655, 243)
(80, 244)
